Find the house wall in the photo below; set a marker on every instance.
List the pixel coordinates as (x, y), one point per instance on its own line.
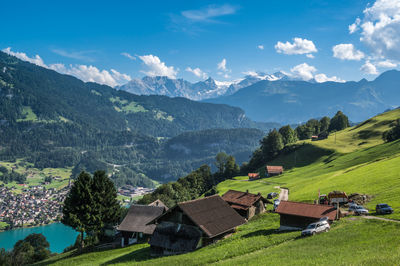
(296, 221)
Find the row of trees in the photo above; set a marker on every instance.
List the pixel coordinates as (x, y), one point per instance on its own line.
(196, 183)
(91, 205)
(7, 176)
(393, 133)
(273, 143)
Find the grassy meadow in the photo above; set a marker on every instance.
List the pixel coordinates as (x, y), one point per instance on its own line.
(358, 162)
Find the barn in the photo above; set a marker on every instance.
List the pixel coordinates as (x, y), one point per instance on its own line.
(245, 203)
(134, 228)
(297, 215)
(193, 224)
(253, 176)
(271, 170)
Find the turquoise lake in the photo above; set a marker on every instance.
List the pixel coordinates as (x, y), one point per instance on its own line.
(58, 235)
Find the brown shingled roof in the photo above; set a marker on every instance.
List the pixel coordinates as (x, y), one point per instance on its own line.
(212, 215)
(158, 203)
(274, 169)
(306, 210)
(244, 199)
(138, 217)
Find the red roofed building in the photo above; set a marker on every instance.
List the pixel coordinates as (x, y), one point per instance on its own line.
(297, 215)
(273, 170)
(245, 203)
(253, 176)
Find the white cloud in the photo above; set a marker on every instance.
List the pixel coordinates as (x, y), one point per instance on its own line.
(156, 67)
(209, 13)
(222, 65)
(79, 55)
(369, 68)
(299, 46)
(354, 27)
(261, 47)
(324, 78)
(386, 63)
(92, 74)
(197, 72)
(346, 51)
(224, 70)
(307, 72)
(127, 55)
(83, 72)
(310, 55)
(304, 71)
(37, 60)
(380, 29)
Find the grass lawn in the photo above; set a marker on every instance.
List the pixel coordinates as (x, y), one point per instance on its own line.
(350, 241)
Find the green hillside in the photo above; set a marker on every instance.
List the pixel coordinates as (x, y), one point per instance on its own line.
(319, 165)
(50, 120)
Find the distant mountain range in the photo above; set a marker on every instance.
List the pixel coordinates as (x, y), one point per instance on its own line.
(291, 101)
(201, 90)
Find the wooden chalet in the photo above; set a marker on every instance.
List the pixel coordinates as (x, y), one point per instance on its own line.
(193, 224)
(297, 215)
(245, 203)
(273, 170)
(253, 176)
(134, 228)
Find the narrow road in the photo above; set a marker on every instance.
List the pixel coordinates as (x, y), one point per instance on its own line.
(284, 194)
(379, 218)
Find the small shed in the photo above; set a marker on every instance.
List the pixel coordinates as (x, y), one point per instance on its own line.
(193, 224)
(271, 170)
(135, 226)
(314, 137)
(245, 203)
(253, 176)
(297, 215)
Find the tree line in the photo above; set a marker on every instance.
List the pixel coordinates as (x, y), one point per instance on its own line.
(276, 140)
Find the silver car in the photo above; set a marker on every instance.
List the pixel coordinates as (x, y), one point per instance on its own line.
(358, 210)
(316, 228)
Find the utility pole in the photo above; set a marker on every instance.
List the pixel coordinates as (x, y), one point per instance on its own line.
(295, 158)
(335, 137)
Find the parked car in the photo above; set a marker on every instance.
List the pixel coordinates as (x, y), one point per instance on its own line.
(316, 228)
(383, 209)
(358, 210)
(272, 195)
(276, 203)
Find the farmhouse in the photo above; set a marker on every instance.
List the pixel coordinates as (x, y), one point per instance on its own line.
(245, 203)
(297, 215)
(135, 226)
(253, 176)
(273, 170)
(193, 224)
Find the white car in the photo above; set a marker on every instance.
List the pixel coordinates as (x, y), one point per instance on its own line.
(276, 203)
(316, 228)
(358, 210)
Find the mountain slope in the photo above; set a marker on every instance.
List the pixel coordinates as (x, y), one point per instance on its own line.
(289, 101)
(54, 120)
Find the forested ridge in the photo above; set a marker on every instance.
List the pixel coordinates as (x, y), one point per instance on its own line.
(54, 120)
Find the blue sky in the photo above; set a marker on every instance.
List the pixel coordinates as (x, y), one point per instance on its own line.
(113, 41)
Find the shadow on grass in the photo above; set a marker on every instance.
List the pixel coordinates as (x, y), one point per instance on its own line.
(263, 232)
(135, 256)
(50, 261)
